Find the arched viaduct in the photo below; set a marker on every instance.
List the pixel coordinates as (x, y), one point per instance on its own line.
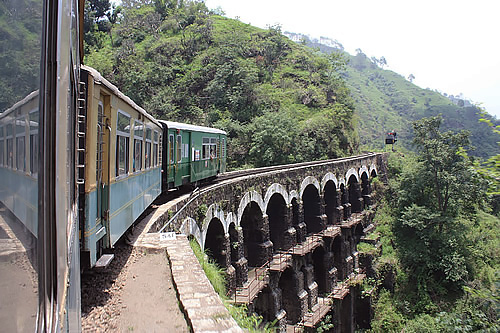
(288, 238)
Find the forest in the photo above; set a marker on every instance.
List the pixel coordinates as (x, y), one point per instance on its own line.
(438, 220)
(279, 101)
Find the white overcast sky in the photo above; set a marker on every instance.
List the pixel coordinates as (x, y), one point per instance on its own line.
(451, 46)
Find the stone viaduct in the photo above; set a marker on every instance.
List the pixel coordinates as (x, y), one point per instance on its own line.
(288, 239)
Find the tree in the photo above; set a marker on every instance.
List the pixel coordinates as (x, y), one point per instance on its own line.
(411, 77)
(437, 193)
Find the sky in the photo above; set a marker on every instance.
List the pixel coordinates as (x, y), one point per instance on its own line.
(452, 46)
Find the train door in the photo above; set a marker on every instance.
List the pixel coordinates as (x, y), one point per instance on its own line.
(102, 176)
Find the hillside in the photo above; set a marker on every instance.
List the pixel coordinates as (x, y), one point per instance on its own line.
(387, 101)
(279, 101)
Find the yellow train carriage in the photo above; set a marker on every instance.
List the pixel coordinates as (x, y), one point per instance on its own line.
(122, 173)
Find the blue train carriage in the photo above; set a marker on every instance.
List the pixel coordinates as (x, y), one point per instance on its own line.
(192, 153)
(19, 160)
(122, 166)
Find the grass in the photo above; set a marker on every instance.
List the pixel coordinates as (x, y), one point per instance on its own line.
(217, 277)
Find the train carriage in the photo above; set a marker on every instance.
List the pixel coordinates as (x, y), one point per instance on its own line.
(192, 153)
(122, 165)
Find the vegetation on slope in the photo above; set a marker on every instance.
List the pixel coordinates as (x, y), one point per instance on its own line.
(440, 240)
(280, 102)
(387, 101)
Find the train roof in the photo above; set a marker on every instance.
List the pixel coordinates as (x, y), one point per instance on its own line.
(194, 128)
(23, 101)
(99, 78)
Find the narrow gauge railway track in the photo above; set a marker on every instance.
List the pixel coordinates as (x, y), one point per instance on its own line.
(233, 175)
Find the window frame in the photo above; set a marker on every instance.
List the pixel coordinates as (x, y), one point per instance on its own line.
(155, 148)
(34, 142)
(149, 147)
(126, 136)
(20, 135)
(138, 139)
(178, 149)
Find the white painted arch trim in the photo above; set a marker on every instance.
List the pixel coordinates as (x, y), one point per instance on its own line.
(350, 172)
(214, 211)
(373, 167)
(247, 198)
(326, 178)
(364, 169)
(190, 227)
(309, 180)
(275, 189)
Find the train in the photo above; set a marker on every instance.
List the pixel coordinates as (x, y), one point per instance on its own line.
(79, 163)
(129, 158)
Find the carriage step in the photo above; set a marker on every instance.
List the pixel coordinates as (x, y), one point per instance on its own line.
(104, 260)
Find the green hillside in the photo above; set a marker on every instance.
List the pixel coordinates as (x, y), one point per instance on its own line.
(387, 101)
(280, 102)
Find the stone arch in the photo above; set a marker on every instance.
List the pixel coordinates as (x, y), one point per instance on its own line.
(358, 232)
(278, 221)
(214, 211)
(336, 249)
(351, 172)
(273, 189)
(312, 208)
(189, 227)
(331, 201)
(320, 270)
(309, 180)
(289, 287)
(373, 170)
(256, 245)
(362, 170)
(215, 242)
(326, 178)
(354, 191)
(252, 196)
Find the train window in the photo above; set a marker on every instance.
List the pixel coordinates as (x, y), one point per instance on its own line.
(179, 148)
(33, 118)
(223, 147)
(155, 148)
(1, 146)
(148, 147)
(138, 138)
(20, 144)
(171, 148)
(205, 153)
(10, 146)
(122, 143)
(213, 147)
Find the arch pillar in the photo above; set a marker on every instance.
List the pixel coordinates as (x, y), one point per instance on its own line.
(266, 247)
(290, 238)
(301, 227)
(238, 260)
(345, 203)
(355, 197)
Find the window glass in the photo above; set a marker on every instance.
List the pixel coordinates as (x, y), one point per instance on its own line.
(171, 148)
(179, 148)
(205, 148)
(1, 146)
(20, 156)
(138, 129)
(122, 143)
(123, 123)
(33, 119)
(148, 154)
(122, 155)
(137, 155)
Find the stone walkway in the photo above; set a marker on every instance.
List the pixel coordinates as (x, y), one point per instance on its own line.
(202, 305)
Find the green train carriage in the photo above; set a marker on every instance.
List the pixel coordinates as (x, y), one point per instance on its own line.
(191, 154)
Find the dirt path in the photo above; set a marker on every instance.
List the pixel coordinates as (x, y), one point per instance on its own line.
(149, 299)
(134, 294)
